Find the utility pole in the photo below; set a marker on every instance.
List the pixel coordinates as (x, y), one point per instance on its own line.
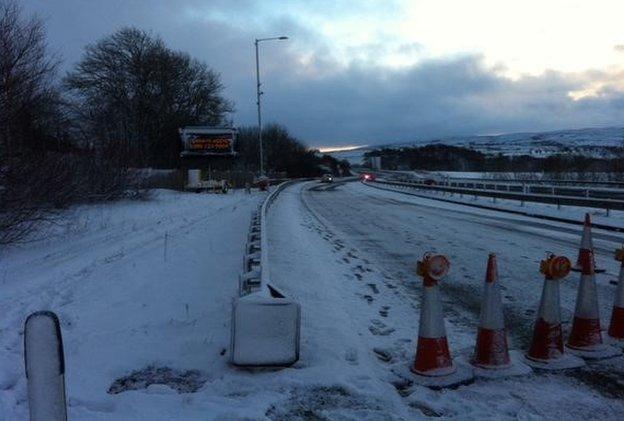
(258, 94)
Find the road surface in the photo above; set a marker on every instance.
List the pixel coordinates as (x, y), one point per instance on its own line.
(374, 239)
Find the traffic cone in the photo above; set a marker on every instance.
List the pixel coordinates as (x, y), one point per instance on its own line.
(616, 327)
(587, 243)
(492, 357)
(433, 363)
(491, 350)
(547, 349)
(585, 338)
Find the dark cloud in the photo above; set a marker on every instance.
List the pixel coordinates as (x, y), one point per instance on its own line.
(322, 99)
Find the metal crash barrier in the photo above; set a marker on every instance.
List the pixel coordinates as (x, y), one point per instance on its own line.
(265, 329)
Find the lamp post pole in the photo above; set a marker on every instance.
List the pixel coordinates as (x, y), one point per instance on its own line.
(258, 94)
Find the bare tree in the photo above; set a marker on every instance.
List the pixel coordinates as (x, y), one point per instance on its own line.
(26, 72)
(32, 186)
(135, 93)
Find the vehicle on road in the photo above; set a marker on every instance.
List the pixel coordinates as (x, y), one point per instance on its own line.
(368, 177)
(263, 183)
(327, 178)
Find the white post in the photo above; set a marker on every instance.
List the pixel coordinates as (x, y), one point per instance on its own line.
(45, 367)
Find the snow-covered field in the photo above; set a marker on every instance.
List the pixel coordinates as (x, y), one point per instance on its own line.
(596, 142)
(138, 286)
(143, 291)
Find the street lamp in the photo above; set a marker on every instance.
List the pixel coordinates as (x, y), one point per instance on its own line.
(258, 93)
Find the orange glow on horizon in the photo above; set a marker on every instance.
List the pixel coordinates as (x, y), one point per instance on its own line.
(329, 149)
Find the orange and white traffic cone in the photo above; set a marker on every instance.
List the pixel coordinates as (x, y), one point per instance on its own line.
(433, 363)
(585, 338)
(547, 351)
(616, 327)
(587, 243)
(491, 350)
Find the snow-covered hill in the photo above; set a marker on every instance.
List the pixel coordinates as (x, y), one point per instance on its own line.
(591, 141)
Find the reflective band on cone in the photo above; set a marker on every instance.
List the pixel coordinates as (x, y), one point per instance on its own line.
(547, 341)
(548, 336)
(433, 357)
(585, 334)
(491, 350)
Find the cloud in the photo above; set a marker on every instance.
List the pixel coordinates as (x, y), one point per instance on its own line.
(326, 99)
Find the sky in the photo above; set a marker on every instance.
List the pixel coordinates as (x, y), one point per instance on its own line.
(372, 72)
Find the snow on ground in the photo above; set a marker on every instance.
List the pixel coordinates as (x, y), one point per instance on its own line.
(135, 285)
(150, 323)
(597, 142)
(376, 237)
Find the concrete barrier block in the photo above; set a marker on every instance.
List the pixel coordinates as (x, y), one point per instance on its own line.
(265, 330)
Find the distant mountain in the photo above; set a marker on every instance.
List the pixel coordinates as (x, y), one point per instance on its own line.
(598, 142)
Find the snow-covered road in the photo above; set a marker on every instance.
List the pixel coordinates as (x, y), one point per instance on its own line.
(348, 252)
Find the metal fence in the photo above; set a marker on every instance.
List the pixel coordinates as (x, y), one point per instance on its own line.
(595, 197)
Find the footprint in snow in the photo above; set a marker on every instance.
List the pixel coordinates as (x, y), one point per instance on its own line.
(374, 288)
(367, 297)
(379, 328)
(351, 356)
(383, 355)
